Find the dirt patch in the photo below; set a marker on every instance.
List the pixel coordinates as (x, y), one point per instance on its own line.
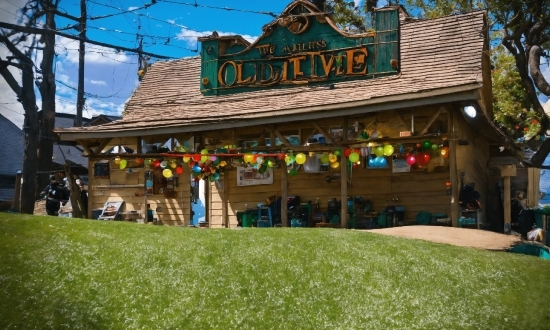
(475, 238)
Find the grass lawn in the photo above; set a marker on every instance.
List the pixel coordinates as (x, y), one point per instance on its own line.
(59, 273)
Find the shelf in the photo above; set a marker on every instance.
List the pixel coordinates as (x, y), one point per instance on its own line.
(117, 186)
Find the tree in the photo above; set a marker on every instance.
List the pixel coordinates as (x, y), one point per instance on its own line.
(38, 133)
(525, 34)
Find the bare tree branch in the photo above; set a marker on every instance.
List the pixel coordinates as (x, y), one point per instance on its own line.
(534, 69)
(8, 76)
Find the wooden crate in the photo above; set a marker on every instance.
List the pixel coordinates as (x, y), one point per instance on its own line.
(40, 207)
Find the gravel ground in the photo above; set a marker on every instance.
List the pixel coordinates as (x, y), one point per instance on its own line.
(475, 238)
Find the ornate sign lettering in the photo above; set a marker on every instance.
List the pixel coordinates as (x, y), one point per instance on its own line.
(301, 47)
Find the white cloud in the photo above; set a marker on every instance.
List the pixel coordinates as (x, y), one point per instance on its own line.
(190, 37)
(98, 82)
(357, 2)
(132, 8)
(68, 49)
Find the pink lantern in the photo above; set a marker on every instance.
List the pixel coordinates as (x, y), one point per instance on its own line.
(411, 160)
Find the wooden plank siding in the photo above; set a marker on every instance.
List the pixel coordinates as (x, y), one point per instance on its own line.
(175, 211)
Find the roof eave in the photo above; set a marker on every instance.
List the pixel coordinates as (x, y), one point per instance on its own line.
(393, 102)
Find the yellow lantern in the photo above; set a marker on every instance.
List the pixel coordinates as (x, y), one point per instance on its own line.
(117, 160)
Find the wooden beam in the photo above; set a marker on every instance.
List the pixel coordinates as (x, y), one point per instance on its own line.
(507, 206)
(261, 139)
(139, 149)
(284, 194)
(282, 138)
(431, 121)
(86, 147)
(102, 145)
(453, 171)
(343, 191)
(225, 198)
(309, 136)
(345, 130)
(90, 188)
(533, 175)
(400, 117)
(321, 131)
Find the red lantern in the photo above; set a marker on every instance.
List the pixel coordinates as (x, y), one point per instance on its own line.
(423, 158)
(281, 156)
(139, 161)
(347, 152)
(156, 163)
(179, 170)
(411, 160)
(197, 158)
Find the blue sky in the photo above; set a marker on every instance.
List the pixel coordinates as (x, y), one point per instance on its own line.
(168, 29)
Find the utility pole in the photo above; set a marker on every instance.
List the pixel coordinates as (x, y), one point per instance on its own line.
(81, 52)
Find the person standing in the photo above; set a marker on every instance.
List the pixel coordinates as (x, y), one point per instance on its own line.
(56, 195)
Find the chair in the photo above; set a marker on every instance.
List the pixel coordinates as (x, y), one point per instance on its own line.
(264, 216)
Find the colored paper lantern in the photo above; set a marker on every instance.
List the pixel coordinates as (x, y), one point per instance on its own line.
(147, 162)
(269, 163)
(248, 158)
(186, 159)
(354, 157)
(196, 158)
(411, 160)
(388, 150)
(156, 163)
(293, 172)
(337, 152)
(179, 170)
(379, 151)
(163, 164)
(123, 164)
(197, 169)
(167, 173)
(445, 152)
(117, 160)
(331, 158)
(300, 158)
(380, 162)
(139, 161)
(423, 159)
(335, 165)
(435, 146)
(347, 152)
(259, 160)
(372, 163)
(204, 152)
(426, 145)
(324, 159)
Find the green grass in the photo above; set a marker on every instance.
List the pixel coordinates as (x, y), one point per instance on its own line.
(59, 273)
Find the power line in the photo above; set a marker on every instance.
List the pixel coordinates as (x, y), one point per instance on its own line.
(195, 4)
(19, 113)
(26, 29)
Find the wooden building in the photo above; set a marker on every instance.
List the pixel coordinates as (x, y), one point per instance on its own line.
(421, 86)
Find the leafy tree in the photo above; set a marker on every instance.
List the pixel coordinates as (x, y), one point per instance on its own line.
(524, 38)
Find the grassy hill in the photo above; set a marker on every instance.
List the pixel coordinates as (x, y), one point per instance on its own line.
(60, 273)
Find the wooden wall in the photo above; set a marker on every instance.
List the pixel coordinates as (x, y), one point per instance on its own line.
(472, 157)
(416, 191)
(129, 187)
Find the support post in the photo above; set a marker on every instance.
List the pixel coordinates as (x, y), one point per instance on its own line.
(284, 194)
(453, 171)
(81, 52)
(17, 193)
(343, 191)
(225, 201)
(507, 206)
(506, 172)
(90, 188)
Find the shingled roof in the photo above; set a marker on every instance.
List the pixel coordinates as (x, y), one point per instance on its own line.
(439, 57)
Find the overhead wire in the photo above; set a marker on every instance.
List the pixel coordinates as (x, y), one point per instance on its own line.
(195, 4)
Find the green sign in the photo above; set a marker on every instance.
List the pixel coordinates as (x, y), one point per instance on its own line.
(301, 47)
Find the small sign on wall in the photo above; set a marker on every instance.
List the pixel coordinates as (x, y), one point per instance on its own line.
(400, 166)
(248, 176)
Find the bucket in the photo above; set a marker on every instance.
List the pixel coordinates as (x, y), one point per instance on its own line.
(247, 220)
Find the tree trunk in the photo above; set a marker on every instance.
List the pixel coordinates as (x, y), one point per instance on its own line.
(31, 131)
(47, 91)
(534, 67)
